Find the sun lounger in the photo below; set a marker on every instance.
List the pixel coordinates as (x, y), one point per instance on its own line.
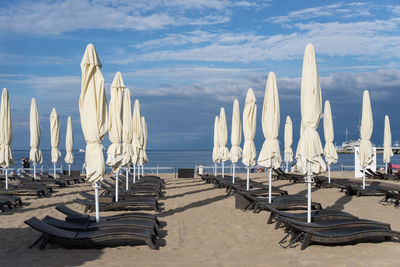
(23, 190)
(14, 200)
(25, 178)
(99, 238)
(75, 216)
(316, 215)
(120, 205)
(116, 225)
(334, 231)
(133, 190)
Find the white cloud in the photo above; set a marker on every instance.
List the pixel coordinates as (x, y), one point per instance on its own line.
(55, 17)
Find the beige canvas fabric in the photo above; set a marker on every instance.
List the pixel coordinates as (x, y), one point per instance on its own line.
(223, 136)
(216, 154)
(114, 152)
(69, 143)
(35, 155)
(249, 129)
(309, 148)
(137, 137)
(270, 155)
(288, 140)
(93, 111)
(6, 155)
(330, 153)
(236, 134)
(127, 149)
(54, 136)
(387, 141)
(367, 124)
(143, 156)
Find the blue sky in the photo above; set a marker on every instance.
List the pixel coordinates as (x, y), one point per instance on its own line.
(184, 59)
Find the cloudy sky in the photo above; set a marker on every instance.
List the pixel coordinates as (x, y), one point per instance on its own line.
(184, 59)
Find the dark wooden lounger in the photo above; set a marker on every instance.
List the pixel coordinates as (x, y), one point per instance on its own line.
(75, 216)
(335, 232)
(116, 225)
(316, 215)
(15, 201)
(99, 238)
(120, 205)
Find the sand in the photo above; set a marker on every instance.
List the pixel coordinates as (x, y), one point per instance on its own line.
(203, 229)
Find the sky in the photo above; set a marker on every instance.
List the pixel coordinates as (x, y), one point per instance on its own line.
(185, 59)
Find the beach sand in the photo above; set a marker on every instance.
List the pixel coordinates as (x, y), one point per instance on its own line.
(203, 229)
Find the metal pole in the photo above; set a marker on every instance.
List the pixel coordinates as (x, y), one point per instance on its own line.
(96, 199)
(364, 178)
(142, 170)
(138, 172)
(34, 170)
(127, 179)
(329, 173)
(386, 169)
(116, 186)
(223, 169)
(69, 169)
(270, 186)
(54, 165)
(157, 169)
(248, 178)
(134, 173)
(233, 173)
(6, 179)
(309, 191)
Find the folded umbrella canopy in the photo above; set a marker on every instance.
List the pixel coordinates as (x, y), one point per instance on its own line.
(142, 156)
(270, 155)
(215, 153)
(330, 153)
(236, 137)
(6, 155)
(114, 152)
(223, 139)
(127, 150)
(69, 145)
(288, 139)
(137, 137)
(249, 131)
(309, 149)
(35, 155)
(387, 143)
(367, 125)
(55, 138)
(93, 111)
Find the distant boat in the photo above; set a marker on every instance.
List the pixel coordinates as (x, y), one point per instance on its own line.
(82, 150)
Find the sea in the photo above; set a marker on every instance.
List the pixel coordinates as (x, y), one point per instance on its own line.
(170, 160)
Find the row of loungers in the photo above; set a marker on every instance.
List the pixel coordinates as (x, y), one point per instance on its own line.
(327, 226)
(82, 231)
(24, 184)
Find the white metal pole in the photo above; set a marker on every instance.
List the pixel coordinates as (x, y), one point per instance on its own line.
(127, 179)
(270, 186)
(6, 179)
(34, 170)
(96, 199)
(233, 173)
(157, 169)
(116, 186)
(386, 169)
(248, 178)
(309, 191)
(142, 170)
(329, 173)
(363, 178)
(54, 166)
(223, 169)
(138, 172)
(69, 169)
(134, 174)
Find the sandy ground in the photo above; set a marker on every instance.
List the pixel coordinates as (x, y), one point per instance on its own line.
(203, 229)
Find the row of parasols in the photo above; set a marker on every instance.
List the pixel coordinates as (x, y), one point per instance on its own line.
(309, 149)
(127, 132)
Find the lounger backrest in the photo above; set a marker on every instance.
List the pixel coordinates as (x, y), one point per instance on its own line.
(44, 228)
(67, 211)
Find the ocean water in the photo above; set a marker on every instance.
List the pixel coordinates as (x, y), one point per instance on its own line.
(177, 159)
